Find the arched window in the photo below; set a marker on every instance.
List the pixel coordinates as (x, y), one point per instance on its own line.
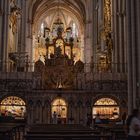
(107, 108)
(74, 31)
(13, 106)
(42, 28)
(59, 106)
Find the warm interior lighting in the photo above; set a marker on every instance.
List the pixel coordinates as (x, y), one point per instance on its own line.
(107, 108)
(59, 106)
(13, 106)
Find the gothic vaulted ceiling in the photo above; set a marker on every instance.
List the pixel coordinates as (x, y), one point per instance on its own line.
(41, 8)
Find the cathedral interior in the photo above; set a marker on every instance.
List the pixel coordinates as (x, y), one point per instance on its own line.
(73, 58)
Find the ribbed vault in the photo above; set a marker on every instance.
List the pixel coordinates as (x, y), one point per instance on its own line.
(41, 8)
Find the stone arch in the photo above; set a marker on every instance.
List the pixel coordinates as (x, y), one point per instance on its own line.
(113, 97)
(59, 106)
(38, 111)
(13, 106)
(79, 110)
(107, 107)
(71, 109)
(46, 116)
(30, 111)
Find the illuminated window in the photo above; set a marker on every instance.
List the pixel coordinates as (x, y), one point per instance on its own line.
(74, 30)
(107, 108)
(13, 106)
(42, 28)
(59, 106)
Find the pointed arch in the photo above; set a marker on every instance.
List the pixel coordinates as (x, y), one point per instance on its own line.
(106, 107)
(59, 106)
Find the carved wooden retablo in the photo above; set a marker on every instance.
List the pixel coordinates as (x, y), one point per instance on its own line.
(59, 70)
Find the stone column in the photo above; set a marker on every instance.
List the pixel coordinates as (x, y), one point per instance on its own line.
(82, 115)
(49, 112)
(33, 114)
(132, 9)
(30, 37)
(138, 50)
(88, 35)
(43, 114)
(4, 39)
(95, 33)
(116, 47)
(120, 35)
(135, 51)
(29, 114)
(23, 25)
(29, 42)
(119, 45)
(68, 113)
(40, 112)
(124, 33)
(21, 31)
(19, 34)
(134, 47)
(1, 15)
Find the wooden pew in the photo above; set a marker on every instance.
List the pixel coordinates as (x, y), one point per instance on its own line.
(64, 132)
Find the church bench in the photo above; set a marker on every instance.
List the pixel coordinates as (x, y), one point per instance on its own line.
(67, 137)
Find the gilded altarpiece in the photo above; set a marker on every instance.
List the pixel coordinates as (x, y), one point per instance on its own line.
(59, 69)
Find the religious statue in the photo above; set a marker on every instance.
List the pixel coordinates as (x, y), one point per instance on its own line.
(58, 51)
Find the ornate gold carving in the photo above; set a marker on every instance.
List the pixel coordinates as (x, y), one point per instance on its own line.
(102, 63)
(59, 71)
(107, 15)
(105, 54)
(58, 76)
